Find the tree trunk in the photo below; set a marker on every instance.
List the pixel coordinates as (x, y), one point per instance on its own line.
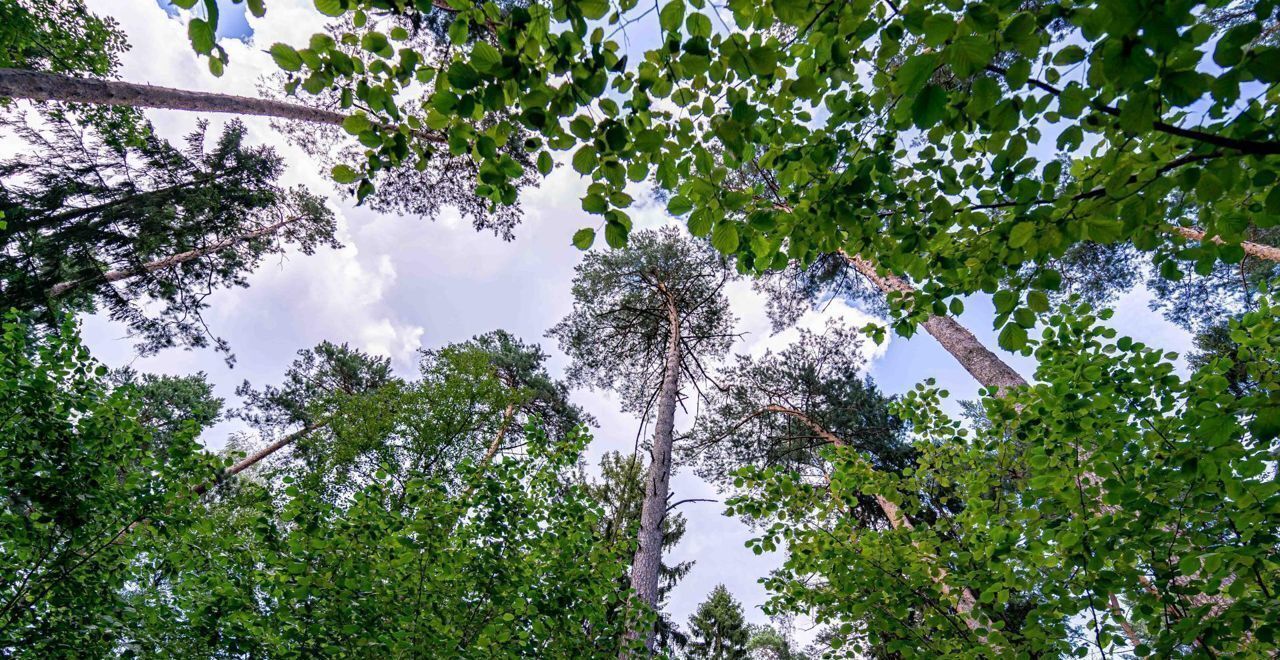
(257, 456)
(116, 275)
(646, 565)
(40, 86)
(1256, 250)
(986, 367)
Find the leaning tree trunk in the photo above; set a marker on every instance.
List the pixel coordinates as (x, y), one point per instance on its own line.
(41, 86)
(986, 367)
(647, 564)
(1256, 250)
(989, 370)
(116, 275)
(258, 456)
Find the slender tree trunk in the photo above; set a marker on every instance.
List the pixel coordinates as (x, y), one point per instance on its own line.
(495, 445)
(986, 367)
(647, 564)
(116, 275)
(40, 86)
(507, 416)
(257, 456)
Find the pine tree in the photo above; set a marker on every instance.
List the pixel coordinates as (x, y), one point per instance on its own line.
(621, 492)
(645, 319)
(92, 226)
(717, 629)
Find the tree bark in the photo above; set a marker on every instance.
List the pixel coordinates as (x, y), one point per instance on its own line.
(41, 86)
(116, 275)
(985, 366)
(647, 564)
(1256, 250)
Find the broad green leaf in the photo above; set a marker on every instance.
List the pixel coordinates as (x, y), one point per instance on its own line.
(584, 238)
(286, 57)
(725, 237)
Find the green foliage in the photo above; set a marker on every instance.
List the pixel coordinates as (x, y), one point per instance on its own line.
(718, 629)
(1112, 477)
(956, 146)
(89, 489)
(60, 36)
(617, 334)
(388, 571)
(90, 224)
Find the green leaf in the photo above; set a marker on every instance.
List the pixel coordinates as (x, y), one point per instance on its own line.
(1021, 234)
(938, 28)
(345, 174)
(1004, 301)
(1266, 423)
(725, 237)
(595, 203)
(915, 72)
(929, 107)
(615, 234)
(331, 7)
(584, 238)
(678, 205)
(969, 55)
(671, 17)
(593, 9)
(486, 58)
(763, 61)
(458, 31)
(584, 160)
(462, 76)
(201, 34)
(1069, 55)
(545, 163)
(357, 123)
(286, 57)
(1013, 337)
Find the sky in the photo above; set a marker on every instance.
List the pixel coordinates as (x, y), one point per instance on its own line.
(402, 284)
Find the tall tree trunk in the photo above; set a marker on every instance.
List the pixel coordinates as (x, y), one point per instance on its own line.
(40, 86)
(986, 367)
(116, 275)
(647, 564)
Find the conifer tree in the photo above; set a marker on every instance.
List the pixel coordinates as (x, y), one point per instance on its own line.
(645, 321)
(95, 226)
(717, 629)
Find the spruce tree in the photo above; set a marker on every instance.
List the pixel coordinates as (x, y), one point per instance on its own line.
(717, 629)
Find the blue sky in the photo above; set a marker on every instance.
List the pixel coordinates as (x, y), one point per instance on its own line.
(402, 284)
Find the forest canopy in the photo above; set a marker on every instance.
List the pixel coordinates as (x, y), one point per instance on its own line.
(1008, 177)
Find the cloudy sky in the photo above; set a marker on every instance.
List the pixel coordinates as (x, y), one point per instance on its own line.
(403, 284)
